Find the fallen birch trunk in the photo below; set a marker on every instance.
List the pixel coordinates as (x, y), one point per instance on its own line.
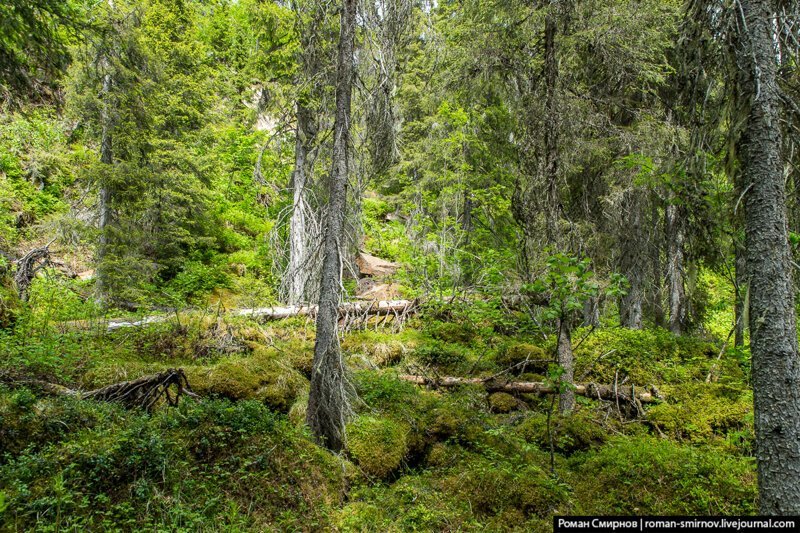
(590, 390)
(373, 308)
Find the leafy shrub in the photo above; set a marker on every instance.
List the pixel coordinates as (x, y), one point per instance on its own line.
(197, 278)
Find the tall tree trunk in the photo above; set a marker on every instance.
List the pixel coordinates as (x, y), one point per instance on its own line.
(656, 287)
(773, 333)
(566, 399)
(300, 269)
(675, 272)
(328, 396)
(551, 126)
(104, 203)
(631, 263)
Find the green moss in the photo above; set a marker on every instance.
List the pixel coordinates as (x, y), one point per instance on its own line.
(9, 304)
(440, 354)
(443, 455)
(501, 402)
(647, 357)
(263, 376)
(701, 412)
(492, 488)
(515, 355)
(377, 445)
(126, 470)
(653, 476)
(571, 433)
(452, 332)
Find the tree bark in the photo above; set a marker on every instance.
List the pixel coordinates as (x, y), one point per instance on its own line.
(773, 333)
(299, 269)
(107, 160)
(675, 272)
(551, 126)
(632, 266)
(566, 399)
(740, 295)
(328, 404)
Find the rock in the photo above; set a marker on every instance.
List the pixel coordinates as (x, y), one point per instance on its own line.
(369, 265)
(86, 274)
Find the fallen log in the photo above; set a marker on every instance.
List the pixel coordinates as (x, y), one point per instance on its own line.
(373, 308)
(143, 392)
(590, 390)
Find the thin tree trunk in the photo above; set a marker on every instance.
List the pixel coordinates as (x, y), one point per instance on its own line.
(631, 313)
(328, 405)
(566, 399)
(299, 270)
(773, 333)
(104, 204)
(675, 272)
(551, 127)
(657, 286)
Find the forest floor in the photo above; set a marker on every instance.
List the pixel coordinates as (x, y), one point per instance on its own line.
(239, 457)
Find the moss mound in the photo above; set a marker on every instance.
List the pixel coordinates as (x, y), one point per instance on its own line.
(571, 433)
(377, 445)
(502, 402)
(703, 412)
(516, 355)
(264, 377)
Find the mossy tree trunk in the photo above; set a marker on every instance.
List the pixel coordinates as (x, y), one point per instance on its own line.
(328, 396)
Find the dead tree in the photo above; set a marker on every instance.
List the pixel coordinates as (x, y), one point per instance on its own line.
(328, 402)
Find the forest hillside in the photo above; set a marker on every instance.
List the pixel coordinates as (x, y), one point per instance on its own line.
(401, 265)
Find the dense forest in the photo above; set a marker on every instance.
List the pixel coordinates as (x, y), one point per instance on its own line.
(425, 265)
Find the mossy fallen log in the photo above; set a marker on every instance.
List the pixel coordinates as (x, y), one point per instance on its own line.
(590, 390)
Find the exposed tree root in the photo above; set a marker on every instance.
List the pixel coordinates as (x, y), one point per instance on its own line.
(142, 393)
(27, 268)
(590, 390)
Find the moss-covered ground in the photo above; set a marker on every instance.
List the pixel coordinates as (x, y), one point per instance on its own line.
(241, 459)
